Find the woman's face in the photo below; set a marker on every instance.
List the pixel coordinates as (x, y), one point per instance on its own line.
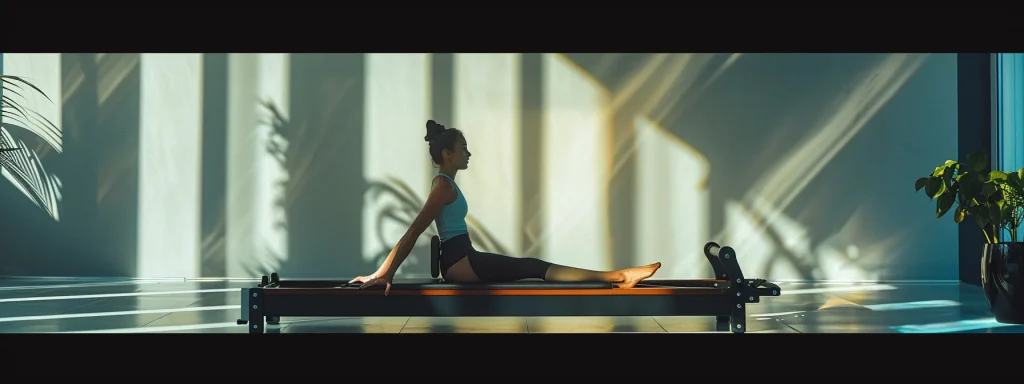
(459, 156)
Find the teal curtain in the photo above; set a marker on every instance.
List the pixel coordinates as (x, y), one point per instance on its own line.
(1009, 110)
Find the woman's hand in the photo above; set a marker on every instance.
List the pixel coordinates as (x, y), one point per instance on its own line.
(372, 280)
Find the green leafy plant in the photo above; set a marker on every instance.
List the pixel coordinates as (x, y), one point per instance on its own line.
(23, 164)
(994, 198)
(16, 115)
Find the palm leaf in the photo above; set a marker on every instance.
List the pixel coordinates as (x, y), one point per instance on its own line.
(30, 175)
(22, 166)
(15, 80)
(26, 118)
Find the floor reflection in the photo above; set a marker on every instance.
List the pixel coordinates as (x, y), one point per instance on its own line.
(28, 306)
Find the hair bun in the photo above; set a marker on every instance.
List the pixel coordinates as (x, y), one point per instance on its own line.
(433, 129)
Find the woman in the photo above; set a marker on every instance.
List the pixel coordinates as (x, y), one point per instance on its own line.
(460, 262)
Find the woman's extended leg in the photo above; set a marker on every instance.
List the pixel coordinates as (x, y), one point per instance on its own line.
(624, 278)
(494, 268)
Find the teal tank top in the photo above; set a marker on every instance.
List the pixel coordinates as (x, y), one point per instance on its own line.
(452, 220)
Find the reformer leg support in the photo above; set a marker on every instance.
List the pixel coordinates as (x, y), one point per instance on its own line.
(255, 308)
(723, 261)
(719, 271)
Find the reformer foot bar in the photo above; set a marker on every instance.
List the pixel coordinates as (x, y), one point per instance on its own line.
(725, 297)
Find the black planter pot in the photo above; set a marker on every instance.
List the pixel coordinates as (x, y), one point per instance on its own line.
(1000, 278)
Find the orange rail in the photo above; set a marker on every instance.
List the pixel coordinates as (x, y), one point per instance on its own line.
(657, 291)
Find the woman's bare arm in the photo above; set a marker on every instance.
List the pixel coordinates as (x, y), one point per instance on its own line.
(441, 193)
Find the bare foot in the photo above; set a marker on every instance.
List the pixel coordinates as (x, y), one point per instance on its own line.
(632, 276)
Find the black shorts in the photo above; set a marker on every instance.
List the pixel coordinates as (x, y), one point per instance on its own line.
(490, 267)
(453, 250)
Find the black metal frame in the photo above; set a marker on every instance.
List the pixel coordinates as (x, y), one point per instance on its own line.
(724, 297)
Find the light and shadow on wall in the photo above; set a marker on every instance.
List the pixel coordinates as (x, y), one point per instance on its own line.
(313, 165)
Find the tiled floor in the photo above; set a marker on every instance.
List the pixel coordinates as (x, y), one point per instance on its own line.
(213, 306)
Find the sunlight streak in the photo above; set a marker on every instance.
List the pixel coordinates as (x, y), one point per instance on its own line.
(170, 145)
(487, 104)
(761, 215)
(255, 238)
(951, 327)
(671, 200)
(576, 147)
(117, 313)
(397, 109)
(166, 328)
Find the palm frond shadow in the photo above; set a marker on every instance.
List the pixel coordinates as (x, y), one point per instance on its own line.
(281, 128)
(277, 147)
(804, 263)
(25, 118)
(404, 205)
(23, 164)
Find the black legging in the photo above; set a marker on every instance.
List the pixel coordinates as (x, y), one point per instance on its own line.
(490, 267)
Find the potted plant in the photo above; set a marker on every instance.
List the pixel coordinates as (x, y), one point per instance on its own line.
(996, 201)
